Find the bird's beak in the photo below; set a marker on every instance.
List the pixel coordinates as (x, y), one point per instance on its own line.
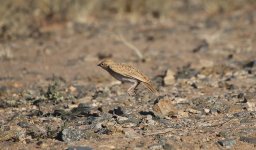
(98, 64)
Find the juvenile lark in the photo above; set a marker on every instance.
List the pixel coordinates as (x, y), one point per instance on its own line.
(126, 73)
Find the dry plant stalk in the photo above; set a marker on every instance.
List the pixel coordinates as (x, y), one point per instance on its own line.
(131, 46)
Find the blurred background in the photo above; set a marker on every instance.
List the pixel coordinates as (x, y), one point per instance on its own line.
(67, 37)
(31, 18)
(200, 53)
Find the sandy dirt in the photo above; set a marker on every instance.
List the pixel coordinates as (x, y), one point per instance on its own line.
(53, 96)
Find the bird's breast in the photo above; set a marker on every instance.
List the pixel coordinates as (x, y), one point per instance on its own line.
(121, 77)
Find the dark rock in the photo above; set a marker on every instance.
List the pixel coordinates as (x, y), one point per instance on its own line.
(84, 106)
(100, 93)
(145, 113)
(242, 98)
(118, 111)
(244, 114)
(94, 120)
(79, 148)
(186, 72)
(4, 104)
(91, 119)
(159, 79)
(228, 143)
(23, 124)
(203, 46)
(240, 95)
(39, 142)
(82, 109)
(59, 112)
(250, 64)
(251, 140)
(230, 86)
(230, 56)
(35, 113)
(150, 38)
(167, 146)
(38, 102)
(194, 85)
(103, 131)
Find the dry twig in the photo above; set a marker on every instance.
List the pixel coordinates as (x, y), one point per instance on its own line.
(128, 44)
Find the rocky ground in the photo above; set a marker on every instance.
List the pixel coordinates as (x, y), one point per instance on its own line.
(53, 96)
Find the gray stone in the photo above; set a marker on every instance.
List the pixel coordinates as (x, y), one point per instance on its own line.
(69, 135)
(228, 143)
(156, 147)
(167, 146)
(79, 148)
(130, 133)
(82, 109)
(186, 72)
(169, 78)
(23, 124)
(251, 140)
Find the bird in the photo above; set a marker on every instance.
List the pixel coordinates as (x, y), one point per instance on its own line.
(127, 73)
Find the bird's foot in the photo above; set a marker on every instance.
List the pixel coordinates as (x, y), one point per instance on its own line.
(131, 92)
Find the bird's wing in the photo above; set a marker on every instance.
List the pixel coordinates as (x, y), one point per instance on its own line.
(129, 71)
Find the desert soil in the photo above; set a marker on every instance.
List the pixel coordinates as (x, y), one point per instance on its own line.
(53, 96)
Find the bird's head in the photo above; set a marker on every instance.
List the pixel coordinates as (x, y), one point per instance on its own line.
(105, 63)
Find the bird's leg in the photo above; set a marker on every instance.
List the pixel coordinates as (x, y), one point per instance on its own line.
(131, 90)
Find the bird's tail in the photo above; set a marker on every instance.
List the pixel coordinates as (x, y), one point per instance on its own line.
(151, 88)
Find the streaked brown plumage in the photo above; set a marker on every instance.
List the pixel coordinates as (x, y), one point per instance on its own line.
(127, 73)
